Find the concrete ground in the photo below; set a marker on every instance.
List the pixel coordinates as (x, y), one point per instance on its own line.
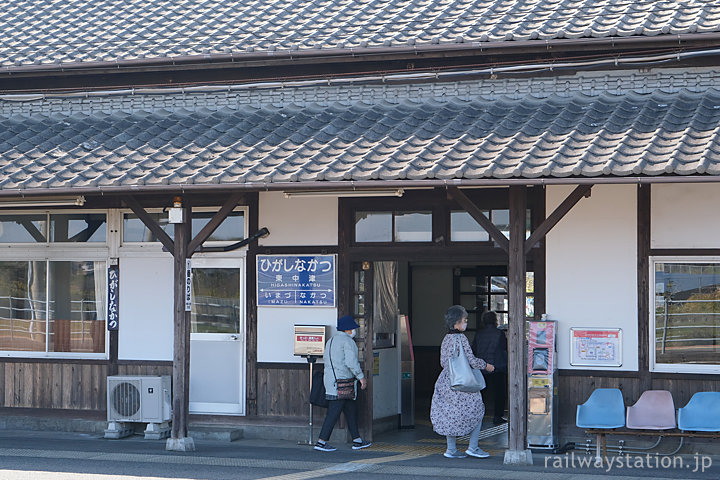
(412, 453)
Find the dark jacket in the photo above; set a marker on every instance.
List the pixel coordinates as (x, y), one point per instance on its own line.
(490, 344)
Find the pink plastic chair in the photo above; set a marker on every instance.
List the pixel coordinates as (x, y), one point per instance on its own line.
(654, 410)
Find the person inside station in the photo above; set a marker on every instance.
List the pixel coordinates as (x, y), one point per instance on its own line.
(490, 343)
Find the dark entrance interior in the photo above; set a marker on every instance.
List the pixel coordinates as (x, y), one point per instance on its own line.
(433, 288)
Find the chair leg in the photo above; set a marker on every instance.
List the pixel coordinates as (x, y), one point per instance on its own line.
(600, 441)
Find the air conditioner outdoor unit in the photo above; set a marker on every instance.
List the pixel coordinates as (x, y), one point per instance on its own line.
(141, 398)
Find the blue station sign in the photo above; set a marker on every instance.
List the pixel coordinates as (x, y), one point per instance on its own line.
(296, 280)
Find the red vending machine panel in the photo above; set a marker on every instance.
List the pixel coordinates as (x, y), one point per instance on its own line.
(541, 348)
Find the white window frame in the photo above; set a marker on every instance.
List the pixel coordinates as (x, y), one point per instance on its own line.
(62, 252)
(157, 246)
(668, 367)
(44, 245)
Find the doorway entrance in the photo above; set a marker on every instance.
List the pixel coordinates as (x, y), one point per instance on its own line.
(423, 291)
(217, 338)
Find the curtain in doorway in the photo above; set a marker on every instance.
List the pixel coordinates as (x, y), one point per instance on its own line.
(385, 296)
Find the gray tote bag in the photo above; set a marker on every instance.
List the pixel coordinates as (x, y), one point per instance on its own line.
(464, 378)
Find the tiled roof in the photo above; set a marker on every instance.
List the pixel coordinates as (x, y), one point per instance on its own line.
(660, 133)
(47, 32)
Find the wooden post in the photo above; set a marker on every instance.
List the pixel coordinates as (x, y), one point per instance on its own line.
(643, 279)
(517, 453)
(179, 439)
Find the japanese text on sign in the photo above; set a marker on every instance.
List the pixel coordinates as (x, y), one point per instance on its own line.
(113, 297)
(292, 280)
(188, 286)
(596, 347)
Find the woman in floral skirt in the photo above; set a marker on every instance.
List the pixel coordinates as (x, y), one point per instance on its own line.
(455, 413)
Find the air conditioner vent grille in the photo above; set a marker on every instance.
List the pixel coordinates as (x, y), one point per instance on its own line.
(126, 399)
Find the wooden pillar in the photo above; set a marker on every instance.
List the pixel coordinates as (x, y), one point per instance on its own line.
(517, 452)
(251, 325)
(643, 279)
(179, 439)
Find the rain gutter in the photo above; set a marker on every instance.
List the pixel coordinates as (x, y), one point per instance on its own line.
(349, 185)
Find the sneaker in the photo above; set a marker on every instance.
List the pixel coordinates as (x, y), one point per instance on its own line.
(360, 445)
(324, 447)
(454, 454)
(477, 452)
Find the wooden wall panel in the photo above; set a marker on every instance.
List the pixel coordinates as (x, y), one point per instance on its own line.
(283, 390)
(74, 385)
(575, 389)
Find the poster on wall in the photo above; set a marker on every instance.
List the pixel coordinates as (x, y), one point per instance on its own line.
(296, 280)
(596, 347)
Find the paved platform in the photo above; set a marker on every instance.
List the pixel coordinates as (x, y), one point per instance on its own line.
(36, 445)
(406, 454)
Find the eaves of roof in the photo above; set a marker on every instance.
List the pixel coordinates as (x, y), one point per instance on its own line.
(355, 185)
(263, 58)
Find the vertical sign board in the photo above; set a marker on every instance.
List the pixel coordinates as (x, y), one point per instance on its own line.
(296, 280)
(113, 298)
(188, 285)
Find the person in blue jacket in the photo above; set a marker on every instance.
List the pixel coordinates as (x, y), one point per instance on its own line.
(341, 361)
(490, 343)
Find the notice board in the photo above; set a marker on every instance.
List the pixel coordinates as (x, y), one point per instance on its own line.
(296, 280)
(596, 347)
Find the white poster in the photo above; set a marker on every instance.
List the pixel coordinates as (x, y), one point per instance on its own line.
(596, 347)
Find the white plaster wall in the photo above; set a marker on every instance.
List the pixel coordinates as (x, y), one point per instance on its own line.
(146, 308)
(592, 268)
(685, 215)
(431, 297)
(276, 330)
(298, 220)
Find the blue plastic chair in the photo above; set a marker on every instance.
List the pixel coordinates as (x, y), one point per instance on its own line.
(604, 409)
(701, 414)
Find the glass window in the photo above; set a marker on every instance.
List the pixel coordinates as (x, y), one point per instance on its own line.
(23, 306)
(231, 229)
(373, 227)
(77, 307)
(687, 313)
(501, 219)
(78, 227)
(413, 227)
(29, 228)
(134, 230)
(464, 228)
(74, 315)
(215, 300)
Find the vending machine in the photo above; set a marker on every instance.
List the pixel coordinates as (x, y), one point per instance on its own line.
(542, 424)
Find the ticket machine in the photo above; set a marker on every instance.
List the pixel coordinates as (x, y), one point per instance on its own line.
(542, 424)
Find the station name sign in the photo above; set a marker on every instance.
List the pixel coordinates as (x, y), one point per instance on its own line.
(113, 298)
(296, 280)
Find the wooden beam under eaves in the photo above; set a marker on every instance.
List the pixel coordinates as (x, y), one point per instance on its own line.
(497, 236)
(150, 223)
(214, 223)
(557, 215)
